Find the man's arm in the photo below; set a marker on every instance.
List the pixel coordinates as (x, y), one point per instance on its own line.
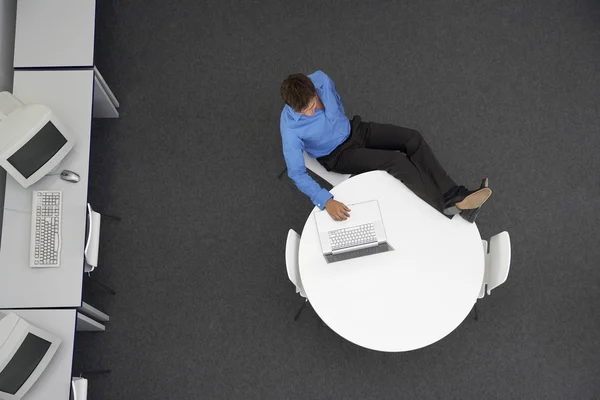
(293, 149)
(320, 197)
(331, 99)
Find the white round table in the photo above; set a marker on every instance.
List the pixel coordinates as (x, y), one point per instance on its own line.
(403, 299)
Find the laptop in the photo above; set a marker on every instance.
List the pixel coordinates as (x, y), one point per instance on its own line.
(360, 235)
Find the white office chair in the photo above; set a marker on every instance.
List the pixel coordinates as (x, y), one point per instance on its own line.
(79, 384)
(92, 245)
(293, 269)
(333, 178)
(497, 264)
(79, 388)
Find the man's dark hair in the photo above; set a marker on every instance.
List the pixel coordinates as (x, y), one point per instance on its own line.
(297, 90)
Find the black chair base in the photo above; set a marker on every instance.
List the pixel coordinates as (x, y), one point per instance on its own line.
(101, 285)
(111, 217)
(301, 309)
(95, 373)
(281, 173)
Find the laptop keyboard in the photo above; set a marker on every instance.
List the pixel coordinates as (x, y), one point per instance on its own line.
(381, 248)
(353, 236)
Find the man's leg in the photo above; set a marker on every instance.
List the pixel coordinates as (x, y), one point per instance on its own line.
(356, 160)
(412, 143)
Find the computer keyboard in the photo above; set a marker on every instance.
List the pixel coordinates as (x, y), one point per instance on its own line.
(353, 236)
(45, 229)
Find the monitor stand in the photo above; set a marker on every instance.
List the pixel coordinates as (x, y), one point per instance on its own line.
(54, 170)
(8, 103)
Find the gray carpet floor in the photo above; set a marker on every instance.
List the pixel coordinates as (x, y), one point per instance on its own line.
(204, 309)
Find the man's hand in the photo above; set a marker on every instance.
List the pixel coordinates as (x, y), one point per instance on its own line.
(337, 210)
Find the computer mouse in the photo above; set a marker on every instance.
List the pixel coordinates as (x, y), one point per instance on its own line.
(69, 176)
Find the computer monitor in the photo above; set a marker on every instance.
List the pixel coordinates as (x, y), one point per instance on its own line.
(32, 140)
(25, 351)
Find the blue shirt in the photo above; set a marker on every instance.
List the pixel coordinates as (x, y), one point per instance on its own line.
(318, 135)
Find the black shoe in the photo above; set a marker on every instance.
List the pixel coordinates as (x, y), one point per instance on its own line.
(466, 200)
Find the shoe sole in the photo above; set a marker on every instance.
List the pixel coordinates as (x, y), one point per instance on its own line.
(475, 200)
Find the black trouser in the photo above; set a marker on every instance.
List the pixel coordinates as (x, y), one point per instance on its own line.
(400, 151)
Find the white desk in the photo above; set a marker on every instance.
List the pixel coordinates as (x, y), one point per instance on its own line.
(57, 33)
(400, 300)
(69, 95)
(60, 33)
(55, 381)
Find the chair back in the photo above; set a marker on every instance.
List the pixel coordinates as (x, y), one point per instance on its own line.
(333, 178)
(485, 256)
(93, 240)
(80, 388)
(498, 261)
(291, 260)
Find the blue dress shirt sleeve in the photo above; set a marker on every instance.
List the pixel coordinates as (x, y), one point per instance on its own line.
(293, 149)
(330, 98)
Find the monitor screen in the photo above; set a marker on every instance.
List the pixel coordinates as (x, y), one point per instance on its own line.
(38, 150)
(23, 363)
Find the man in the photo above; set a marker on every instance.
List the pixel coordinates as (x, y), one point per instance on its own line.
(313, 120)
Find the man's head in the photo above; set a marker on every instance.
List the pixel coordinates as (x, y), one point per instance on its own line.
(298, 91)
